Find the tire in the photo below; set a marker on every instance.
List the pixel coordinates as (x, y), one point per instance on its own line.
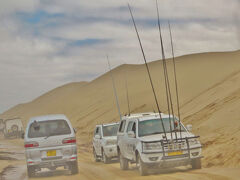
(105, 159)
(123, 163)
(96, 159)
(31, 171)
(196, 163)
(142, 167)
(73, 167)
(14, 128)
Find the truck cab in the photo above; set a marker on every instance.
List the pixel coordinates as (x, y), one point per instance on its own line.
(141, 139)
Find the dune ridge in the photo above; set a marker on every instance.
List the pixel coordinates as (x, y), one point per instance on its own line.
(209, 90)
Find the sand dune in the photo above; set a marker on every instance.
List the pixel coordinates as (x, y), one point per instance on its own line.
(209, 87)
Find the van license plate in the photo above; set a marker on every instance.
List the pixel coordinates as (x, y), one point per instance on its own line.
(175, 153)
(51, 153)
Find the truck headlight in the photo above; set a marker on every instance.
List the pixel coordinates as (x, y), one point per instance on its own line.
(193, 142)
(151, 146)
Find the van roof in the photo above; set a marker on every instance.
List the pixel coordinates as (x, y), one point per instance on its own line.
(48, 117)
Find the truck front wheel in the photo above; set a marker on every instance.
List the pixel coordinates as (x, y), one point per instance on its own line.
(196, 163)
(123, 162)
(142, 167)
(105, 159)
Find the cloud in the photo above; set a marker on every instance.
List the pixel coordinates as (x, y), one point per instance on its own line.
(45, 43)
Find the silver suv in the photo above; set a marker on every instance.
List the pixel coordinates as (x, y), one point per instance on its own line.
(50, 142)
(105, 142)
(141, 140)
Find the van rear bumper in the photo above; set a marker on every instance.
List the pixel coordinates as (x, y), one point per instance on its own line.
(51, 162)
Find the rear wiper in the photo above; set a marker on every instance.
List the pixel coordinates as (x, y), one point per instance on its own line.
(50, 134)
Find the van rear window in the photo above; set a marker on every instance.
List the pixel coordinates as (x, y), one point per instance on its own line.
(48, 128)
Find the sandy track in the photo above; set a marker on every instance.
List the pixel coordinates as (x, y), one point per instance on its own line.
(89, 170)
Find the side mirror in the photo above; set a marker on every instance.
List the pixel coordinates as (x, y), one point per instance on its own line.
(22, 135)
(189, 127)
(131, 134)
(74, 130)
(97, 136)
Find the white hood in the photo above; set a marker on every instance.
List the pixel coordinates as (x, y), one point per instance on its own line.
(157, 137)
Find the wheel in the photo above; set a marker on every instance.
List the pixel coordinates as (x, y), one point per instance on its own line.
(96, 159)
(142, 167)
(123, 162)
(31, 171)
(14, 128)
(196, 163)
(105, 159)
(73, 167)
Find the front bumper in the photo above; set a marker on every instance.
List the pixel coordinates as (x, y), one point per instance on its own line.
(111, 151)
(162, 159)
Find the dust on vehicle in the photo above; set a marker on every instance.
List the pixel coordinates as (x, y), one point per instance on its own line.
(13, 128)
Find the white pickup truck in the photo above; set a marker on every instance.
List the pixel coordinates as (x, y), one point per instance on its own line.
(141, 140)
(105, 142)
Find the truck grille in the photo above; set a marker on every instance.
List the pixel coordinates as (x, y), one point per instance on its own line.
(168, 146)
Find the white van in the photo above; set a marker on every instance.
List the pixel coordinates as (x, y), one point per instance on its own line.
(50, 142)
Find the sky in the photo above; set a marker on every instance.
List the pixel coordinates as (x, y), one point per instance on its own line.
(48, 43)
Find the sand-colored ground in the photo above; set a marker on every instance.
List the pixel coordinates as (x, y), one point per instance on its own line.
(209, 87)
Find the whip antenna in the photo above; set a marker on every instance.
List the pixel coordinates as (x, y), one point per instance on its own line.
(126, 85)
(175, 77)
(167, 85)
(114, 89)
(150, 78)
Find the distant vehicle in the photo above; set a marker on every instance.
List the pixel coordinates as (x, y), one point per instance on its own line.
(2, 125)
(13, 128)
(105, 142)
(141, 140)
(50, 142)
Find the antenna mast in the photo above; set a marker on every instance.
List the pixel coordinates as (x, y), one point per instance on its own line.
(114, 88)
(167, 85)
(126, 85)
(150, 78)
(175, 77)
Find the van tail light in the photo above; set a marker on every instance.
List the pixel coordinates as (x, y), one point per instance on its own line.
(31, 144)
(69, 141)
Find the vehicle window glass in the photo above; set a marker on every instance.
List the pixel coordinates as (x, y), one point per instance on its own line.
(110, 130)
(96, 131)
(122, 126)
(48, 128)
(129, 128)
(154, 126)
(134, 127)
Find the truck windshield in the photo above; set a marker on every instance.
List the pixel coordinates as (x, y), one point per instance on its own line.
(110, 130)
(48, 128)
(154, 126)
